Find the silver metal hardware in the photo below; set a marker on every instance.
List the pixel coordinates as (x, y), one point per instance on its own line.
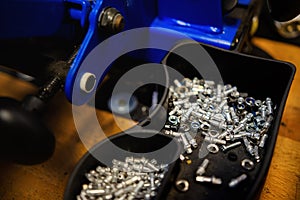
(111, 182)
(263, 141)
(213, 180)
(234, 182)
(214, 140)
(191, 140)
(269, 106)
(247, 164)
(186, 144)
(202, 168)
(182, 185)
(212, 148)
(231, 146)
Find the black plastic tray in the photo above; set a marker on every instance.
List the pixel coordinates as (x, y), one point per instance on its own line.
(260, 78)
(147, 141)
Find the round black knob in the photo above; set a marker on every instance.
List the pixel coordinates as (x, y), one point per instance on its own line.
(24, 137)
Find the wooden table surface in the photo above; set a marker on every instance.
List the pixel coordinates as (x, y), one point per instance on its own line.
(48, 180)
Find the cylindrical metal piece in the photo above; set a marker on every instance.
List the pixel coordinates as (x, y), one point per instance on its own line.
(234, 182)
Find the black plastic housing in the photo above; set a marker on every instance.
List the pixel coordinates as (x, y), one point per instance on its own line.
(260, 78)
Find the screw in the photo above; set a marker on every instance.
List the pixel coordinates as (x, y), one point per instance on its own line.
(186, 144)
(172, 112)
(95, 192)
(214, 140)
(201, 169)
(226, 92)
(191, 140)
(248, 146)
(213, 180)
(221, 125)
(263, 110)
(227, 114)
(268, 123)
(221, 105)
(186, 115)
(234, 182)
(263, 140)
(238, 128)
(247, 118)
(225, 148)
(269, 106)
(234, 117)
(224, 134)
(177, 83)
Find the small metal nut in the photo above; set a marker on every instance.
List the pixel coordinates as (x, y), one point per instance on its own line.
(212, 148)
(182, 185)
(247, 164)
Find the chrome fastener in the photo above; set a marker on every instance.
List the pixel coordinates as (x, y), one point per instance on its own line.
(231, 146)
(263, 140)
(212, 179)
(269, 106)
(234, 182)
(202, 168)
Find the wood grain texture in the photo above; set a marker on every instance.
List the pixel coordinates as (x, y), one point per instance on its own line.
(283, 181)
(47, 180)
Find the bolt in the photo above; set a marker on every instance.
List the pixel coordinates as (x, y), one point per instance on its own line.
(179, 102)
(263, 140)
(121, 191)
(218, 117)
(238, 128)
(263, 110)
(219, 93)
(221, 125)
(226, 148)
(181, 157)
(235, 137)
(177, 83)
(152, 185)
(128, 182)
(227, 114)
(252, 135)
(224, 134)
(187, 82)
(191, 140)
(268, 123)
(198, 88)
(111, 20)
(248, 146)
(186, 144)
(221, 105)
(247, 118)
(234, 117)
(214, 140)
(226, 92)
(186, 115)
(201, 116)
(269, 106)
(256, 154)
(173, 133)
(95, 192)
(87, 82)
(213, 180)
(202, 168)
(172, 112)
(234, 182)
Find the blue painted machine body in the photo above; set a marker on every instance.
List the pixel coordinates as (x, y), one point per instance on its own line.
(202, 20)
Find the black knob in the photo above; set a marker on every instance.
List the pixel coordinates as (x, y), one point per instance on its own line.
(24, 137)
